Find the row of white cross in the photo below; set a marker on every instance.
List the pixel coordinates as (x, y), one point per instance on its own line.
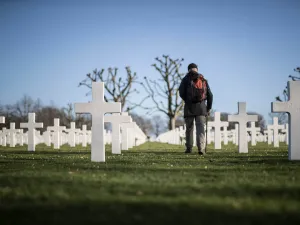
(271, 134)
(97, 108)
(59, 134)
(292, 107)
(12, 137)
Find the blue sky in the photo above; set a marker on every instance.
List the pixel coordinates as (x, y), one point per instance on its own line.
(246, 49)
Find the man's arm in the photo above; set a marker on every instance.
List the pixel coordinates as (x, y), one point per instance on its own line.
(209, 98)
(182, 92)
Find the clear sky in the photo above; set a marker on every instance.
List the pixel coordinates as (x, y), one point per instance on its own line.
(246, 49)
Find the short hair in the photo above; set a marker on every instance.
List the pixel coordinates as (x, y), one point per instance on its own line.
(192, 65)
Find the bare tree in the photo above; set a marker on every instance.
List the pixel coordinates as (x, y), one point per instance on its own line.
(47, 114)
(18, 112)
(69, 112)
(24, 106)
(117, 88)
(164, 91)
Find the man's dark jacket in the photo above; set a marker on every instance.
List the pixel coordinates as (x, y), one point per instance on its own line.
(194, 109)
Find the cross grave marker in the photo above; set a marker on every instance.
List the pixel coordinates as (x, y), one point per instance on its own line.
(116, 120)
(275, 127)
(253, 130)
(97, 108)
(72, 134)
(57, 129)
(31, 125)
(292, 107)
(217, 124)
(242, 118)
(12, 134)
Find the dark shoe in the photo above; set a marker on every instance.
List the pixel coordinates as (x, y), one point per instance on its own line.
(201, 152)
(188, 151)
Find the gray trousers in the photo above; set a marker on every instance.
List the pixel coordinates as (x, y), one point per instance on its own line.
(200, 131)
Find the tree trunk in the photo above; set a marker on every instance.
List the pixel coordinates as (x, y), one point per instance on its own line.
(172, 123)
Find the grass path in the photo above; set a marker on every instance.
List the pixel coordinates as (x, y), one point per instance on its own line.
(151, 184)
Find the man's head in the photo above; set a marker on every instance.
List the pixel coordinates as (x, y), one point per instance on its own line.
(193, 67)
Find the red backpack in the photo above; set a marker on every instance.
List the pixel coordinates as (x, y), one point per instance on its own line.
(199, 89)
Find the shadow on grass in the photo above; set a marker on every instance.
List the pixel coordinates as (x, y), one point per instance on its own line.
(82, 213)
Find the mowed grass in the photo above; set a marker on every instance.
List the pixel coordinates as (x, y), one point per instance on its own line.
(151, 184)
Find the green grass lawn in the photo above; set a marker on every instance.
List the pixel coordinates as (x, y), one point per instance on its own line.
(150, 184)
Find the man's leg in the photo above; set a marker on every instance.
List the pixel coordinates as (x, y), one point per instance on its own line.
(189, 128)
(200, 133)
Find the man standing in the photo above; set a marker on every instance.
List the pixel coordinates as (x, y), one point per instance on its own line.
(195, 92)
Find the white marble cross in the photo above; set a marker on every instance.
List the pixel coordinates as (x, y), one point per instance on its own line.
(83, 132)
(275, 127)
(209, 134)
(217, 124)
(98, 107)
(72, 133)
(225, 135)
(126, 127)
(116, 120)
(31, 125)
(4, 138)
(253, 130)
(21, 137)
(2, 119)
(47, 138)
(12, 134)
(286, 131)
(236, 129)
(292, 107)
(131, 136)
(56, 129)
(242, 118)
(270, 135)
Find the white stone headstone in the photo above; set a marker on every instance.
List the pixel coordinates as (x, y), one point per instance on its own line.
(217, 124)
(57, 129)
(292, 107)
(269, 135)
(72, 134)
(12, 134)
(116, 120)
(98, 107)
(2, 119)
(47, 138)
(83, 132)
(4, 139)
(21, 137)
(242, 118)
(131, 136)
(225, 135)
(209, 128)
(275, 127)
(232, 132)
(236, 128)
(31, 126)
(253, 130)
(126, 127)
